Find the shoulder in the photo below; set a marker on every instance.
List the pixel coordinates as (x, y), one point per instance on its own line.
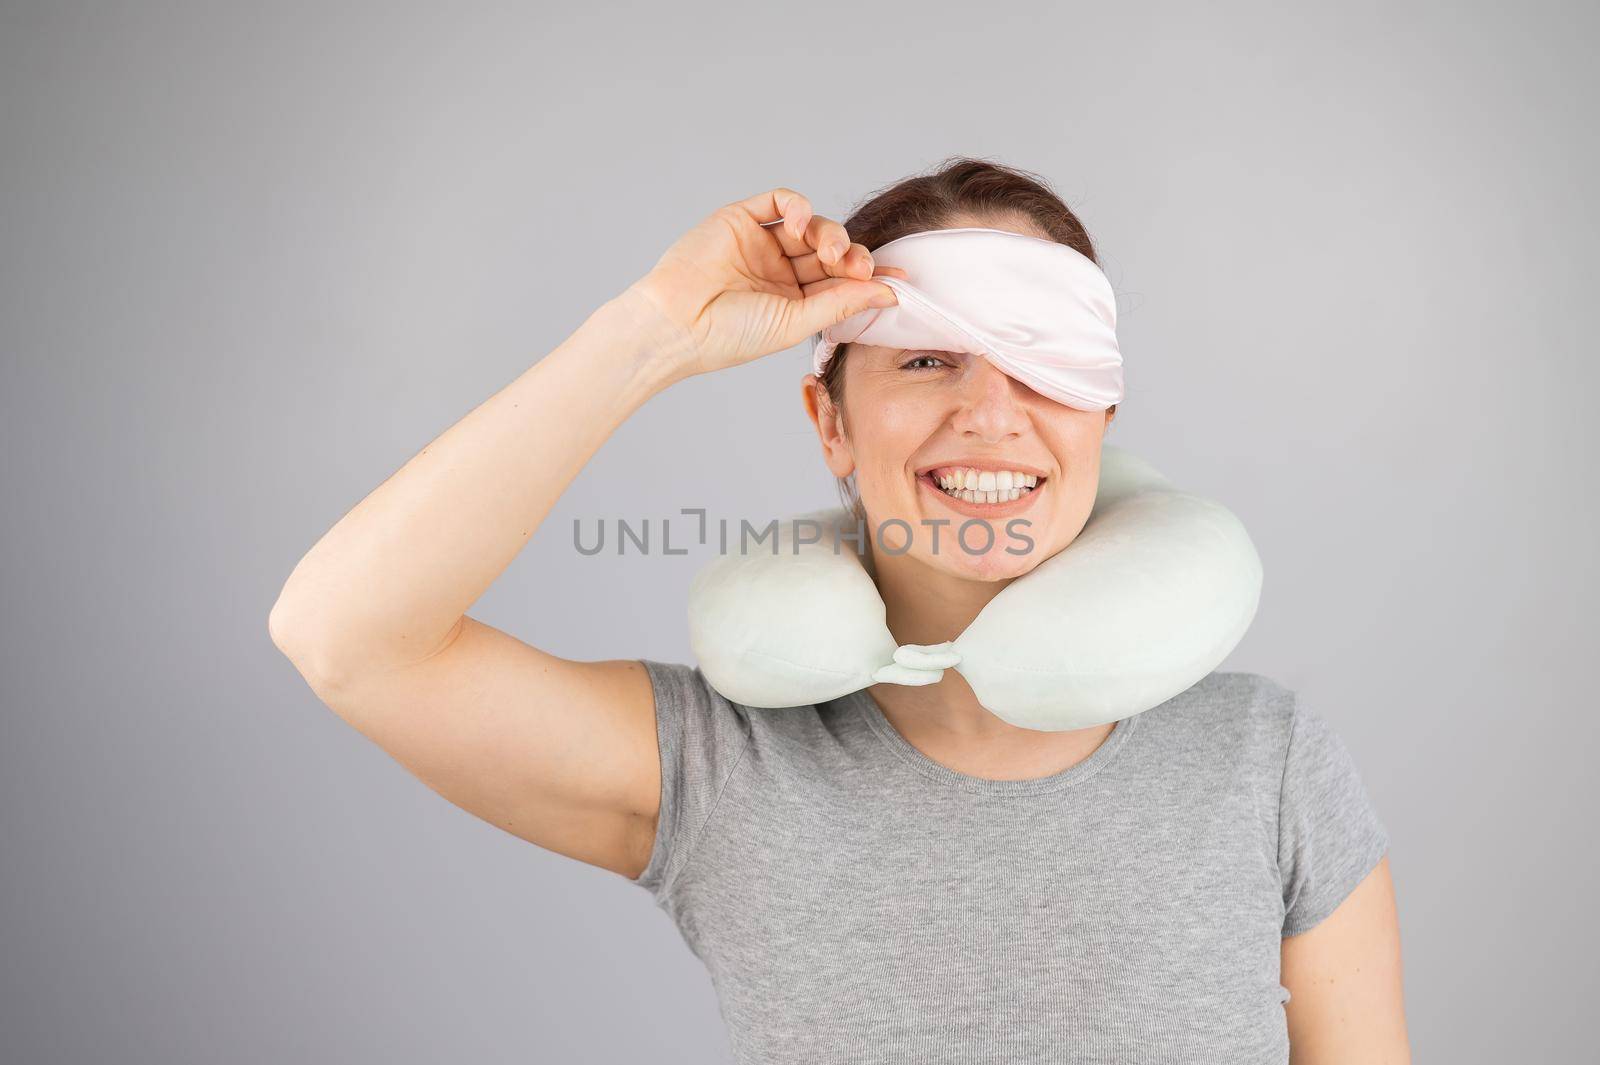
(683, 691)
(1233, 696)
(678, 683)
(693, 719)
(1233, 710)
(804, 739)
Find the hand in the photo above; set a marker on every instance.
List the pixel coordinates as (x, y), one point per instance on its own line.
(759, 276)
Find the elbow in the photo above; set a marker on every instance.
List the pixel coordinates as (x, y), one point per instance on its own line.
(292, 629)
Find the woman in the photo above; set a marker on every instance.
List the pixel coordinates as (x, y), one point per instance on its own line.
(896, 875)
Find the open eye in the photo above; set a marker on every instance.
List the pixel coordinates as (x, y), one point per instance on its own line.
(922, 360)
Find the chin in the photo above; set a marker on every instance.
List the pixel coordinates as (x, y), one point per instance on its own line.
(996, 564)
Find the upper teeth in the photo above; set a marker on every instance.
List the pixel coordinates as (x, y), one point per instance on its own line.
(984, 486)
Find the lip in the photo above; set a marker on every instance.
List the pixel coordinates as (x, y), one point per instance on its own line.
(981, 510)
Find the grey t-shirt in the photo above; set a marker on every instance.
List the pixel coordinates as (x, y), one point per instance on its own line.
(855, 901)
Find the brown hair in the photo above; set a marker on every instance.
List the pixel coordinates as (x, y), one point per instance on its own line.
(961, 191)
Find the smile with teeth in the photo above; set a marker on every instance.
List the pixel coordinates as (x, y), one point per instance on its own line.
(983, 486)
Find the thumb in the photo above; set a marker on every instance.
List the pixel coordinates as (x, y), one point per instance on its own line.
(838, 302)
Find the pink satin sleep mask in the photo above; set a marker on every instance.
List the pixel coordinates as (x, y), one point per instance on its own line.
(1042, 312)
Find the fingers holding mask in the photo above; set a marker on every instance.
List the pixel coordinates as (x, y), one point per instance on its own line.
(836, 256)
(819, 248)
(831, 253)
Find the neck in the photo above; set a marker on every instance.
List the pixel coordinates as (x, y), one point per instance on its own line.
(945, 720)
(925, 605)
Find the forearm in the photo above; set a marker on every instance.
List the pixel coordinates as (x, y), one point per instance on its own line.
(390, 582)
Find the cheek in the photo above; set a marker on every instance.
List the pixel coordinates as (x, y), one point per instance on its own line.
(888, 436)
(1073, 436)
(1075, 440)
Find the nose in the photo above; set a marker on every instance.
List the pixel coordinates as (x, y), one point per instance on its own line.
(991, 407)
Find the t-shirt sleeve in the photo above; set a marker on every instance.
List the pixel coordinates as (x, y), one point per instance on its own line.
(1329, 833)
(701, 737)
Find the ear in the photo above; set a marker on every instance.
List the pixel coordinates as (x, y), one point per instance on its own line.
(828, 420)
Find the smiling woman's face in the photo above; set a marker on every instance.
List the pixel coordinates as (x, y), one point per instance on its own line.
(943, 439)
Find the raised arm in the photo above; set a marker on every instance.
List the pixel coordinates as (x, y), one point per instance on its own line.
(559, 752)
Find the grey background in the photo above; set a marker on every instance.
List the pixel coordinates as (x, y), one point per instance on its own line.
(255, 258)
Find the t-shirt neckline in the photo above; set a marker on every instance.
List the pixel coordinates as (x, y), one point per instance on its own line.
(908, 753)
